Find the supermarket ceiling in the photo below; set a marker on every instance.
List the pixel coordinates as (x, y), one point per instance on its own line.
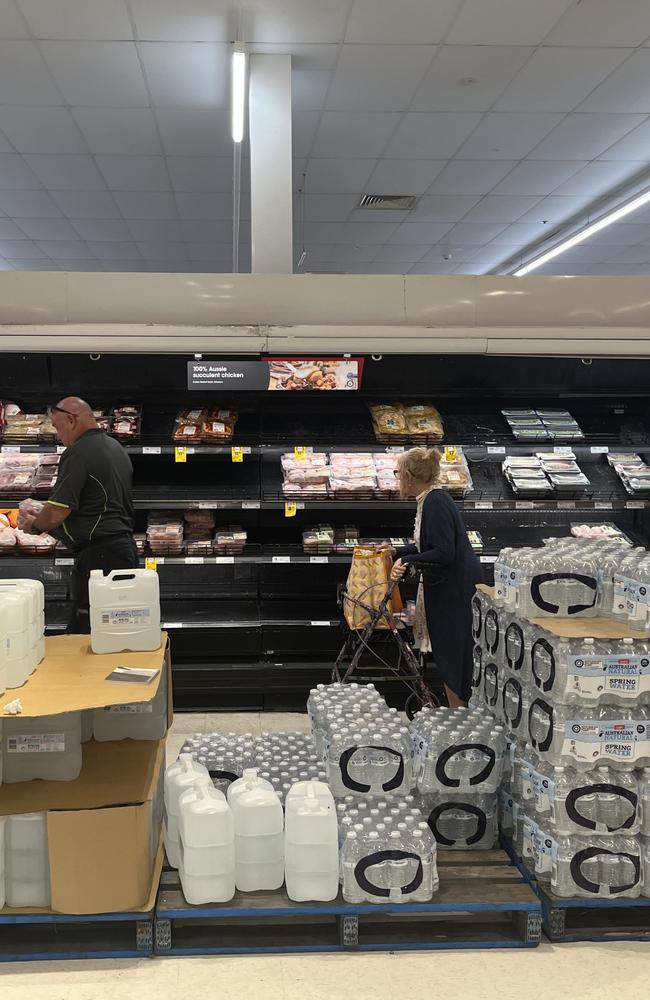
(506, 118)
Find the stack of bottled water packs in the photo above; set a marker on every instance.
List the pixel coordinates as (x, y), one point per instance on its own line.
(574, 696)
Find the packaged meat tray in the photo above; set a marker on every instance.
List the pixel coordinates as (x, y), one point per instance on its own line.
(605, 532)
(417, 423)
(8, 541)
(230, 541)
(36, 545)
(205, 425)
(318, 540)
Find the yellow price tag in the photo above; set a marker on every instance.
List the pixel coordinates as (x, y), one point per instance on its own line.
(237, 454)
(290, 508)
(150, 563)
(300, 453)
(180, 453)
(450, 454)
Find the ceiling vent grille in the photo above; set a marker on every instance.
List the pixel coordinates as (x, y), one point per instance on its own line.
(398, 202)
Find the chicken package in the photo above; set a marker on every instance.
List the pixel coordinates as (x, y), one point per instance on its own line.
(187, 433)
(8, 541)
(307, 476)
(318, 540)
(192, 416)
(230, 541)
(424, 421)
(389, 421)
(217, 431)
(36, 544)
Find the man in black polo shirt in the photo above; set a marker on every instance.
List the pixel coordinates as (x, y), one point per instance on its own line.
(90, 509)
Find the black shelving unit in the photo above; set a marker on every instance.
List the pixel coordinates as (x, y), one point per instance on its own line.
(256, 630)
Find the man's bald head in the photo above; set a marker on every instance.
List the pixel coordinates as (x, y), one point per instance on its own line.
(72, 417)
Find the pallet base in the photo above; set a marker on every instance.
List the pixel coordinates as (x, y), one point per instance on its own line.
(482, 902)
(46, 936)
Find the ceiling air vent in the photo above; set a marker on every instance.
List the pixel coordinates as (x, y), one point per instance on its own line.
(399, 202)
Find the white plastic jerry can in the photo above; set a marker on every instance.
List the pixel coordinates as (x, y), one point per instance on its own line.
(27, 862)
(178, 777)
(207, 844)
(145, 720)
(259, 839)
(311, 847)
(124, 610)
(46, 747)
(3, 823)
(249, 780)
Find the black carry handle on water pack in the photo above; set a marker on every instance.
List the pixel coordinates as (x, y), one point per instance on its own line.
(538, 582)
(356, 786)
(224, 775)
(579, 859)
(376, 859)
(491, 616)
(589, 824)
(491, 670)
(547, 685)
(468, 807)
(544, 744)
(512, 682)
(517, 629)
(451, 751)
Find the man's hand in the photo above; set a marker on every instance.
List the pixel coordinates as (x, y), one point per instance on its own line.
(398, 571)
(26, 521)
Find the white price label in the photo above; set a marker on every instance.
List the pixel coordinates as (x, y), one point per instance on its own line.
(194, 560)
(489, 559)
(251, 505)
(151, 450)
(318, 559)
(562, 450)
(395, 449)
(10, 449)
(60, 448)
(320, 623)
(64, 562)
(207, 505)
(484, 505)
(496, 450)
(599, 449)
(524, 505)
(602, 505)
(224, 560)
(172, 624)
(635, 504)
(281, 559)
(566, 505)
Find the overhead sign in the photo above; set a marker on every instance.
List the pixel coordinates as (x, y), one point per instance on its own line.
(276, 375)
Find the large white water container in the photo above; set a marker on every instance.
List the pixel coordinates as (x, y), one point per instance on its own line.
(124, 610)
(249, 780)
(207, 844)
(22, 636)
(48, 747)
(32, 635)
(140, 721)
(27, 863)
(3, 823)
(311, 845)
(259, 839)
(178, 778)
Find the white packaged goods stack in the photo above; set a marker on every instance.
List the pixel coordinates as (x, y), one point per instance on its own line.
(135, 721)
(22, 625)
(124, 610)
(178, 777)
(27, 865)
(574, 696)
(48, 747)
(206, 844)
(259, 835)
(311, 845)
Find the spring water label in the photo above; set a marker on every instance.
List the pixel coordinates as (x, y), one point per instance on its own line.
(37, 743)
(545, 848)
(143, 708)
(120, 617)
(595, 675)
(623, 740)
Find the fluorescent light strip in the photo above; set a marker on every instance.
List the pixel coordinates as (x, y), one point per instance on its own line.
(584, 234)
(238, 95)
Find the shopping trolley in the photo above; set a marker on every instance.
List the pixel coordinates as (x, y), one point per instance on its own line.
(408, 669)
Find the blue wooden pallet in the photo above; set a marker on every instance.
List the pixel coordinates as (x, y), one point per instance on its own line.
(483, 902)
(31, 937)
(581, 919)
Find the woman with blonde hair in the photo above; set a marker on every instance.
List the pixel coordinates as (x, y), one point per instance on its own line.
(450, 572)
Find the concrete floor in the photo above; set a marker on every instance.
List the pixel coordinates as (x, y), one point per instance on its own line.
(550, 972)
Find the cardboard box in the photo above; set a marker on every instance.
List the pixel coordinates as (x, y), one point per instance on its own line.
(72, 678)
(104, 829)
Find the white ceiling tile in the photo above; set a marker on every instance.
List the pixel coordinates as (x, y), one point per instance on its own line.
(338, 175)
(47, 229)
(629, 255)
(558, 79)
(195, 131)
(469, 77)
(367, 232)
(585, 136)
(112, 250)
(77, 19)
(303, 57)
(319, 232)
(187, 74)
(501, 208)
(106, 74)
(410, 22)
(303, 130)
(5, 145)
(200, 173)
(300, 21)
(634, 146)
(505, 22)
(522, 233)
(11, 23)
(598, 178)
(442, 207)
(65, 249)
(29, 205)
(207, 230)
(419, 232)
(21, 249)
(189, 21)
(156, 230)
(24, 78)
(407, 252)
(493, 254)
(41, 264)
(538, 176)
(434, 136)
(88, 204)
(163, 251)
(351, 133)
(403, 176)
(470, 268)
(308, 89)
(66, 173)
(102, 230)
(627, 89)
(473, 232)
(41, 130)
(556, 208)
(15, 174)
(10, 231)
(207, 206)
(378, 215)
(347, 253)
(134, 173)
(144, 205)
(118, 266)
(129, 131)
(470, 176)
(451, 252)
(505, 136)
(433, 267)
(214, 253)
(80, 265)
(623, 234)
(599, 23)
(377, 77)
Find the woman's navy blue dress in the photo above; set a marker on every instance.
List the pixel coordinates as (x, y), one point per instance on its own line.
(450, 574)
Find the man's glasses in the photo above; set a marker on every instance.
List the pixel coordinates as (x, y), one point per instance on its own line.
(59, 409)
